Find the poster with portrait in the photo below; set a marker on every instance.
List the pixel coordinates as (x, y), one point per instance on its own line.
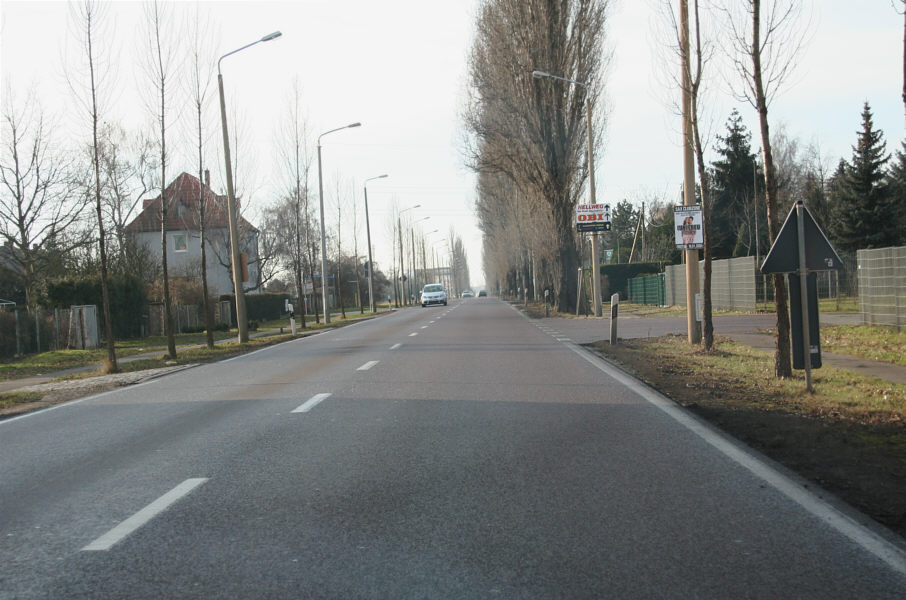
(689, 234)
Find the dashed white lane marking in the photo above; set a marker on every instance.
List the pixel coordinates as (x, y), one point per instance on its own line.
(395, 346)
(118, 533)
(312, 402)
(424, 326)
(368, 365)
(413, 334)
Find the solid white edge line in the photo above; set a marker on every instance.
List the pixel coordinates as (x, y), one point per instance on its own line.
(247, 354)
(79, 400)
(395, 346)
(368, 365)
(890, 554)
(312, 402)
(121, 531)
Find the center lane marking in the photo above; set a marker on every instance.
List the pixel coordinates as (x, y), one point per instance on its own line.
(368, 365)
(118, 533)
(413, 334)
(395, 346)
(312, 402)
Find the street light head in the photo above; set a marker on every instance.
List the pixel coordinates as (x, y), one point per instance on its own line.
(353, 125)
(540, 74)
(270, 36)
(382, 176)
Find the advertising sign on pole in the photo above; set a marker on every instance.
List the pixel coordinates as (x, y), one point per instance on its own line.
(592, 217)
(688, 233)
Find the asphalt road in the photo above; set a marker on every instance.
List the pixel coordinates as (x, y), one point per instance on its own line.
(450, 452)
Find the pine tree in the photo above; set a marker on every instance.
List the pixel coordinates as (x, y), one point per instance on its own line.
(896, 182)
(732, 185)
(862, 214)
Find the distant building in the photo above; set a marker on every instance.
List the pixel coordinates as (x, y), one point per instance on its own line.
(184, 235)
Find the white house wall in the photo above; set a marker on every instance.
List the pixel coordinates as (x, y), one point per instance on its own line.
(188, 261)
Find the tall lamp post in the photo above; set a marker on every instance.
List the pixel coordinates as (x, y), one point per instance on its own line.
(596, 270)
(323, 231)
(368, 231)
(399, 225)
(241, 321)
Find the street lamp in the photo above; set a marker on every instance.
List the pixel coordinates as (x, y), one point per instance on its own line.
(596, 270)
(323, 232)
(368, 231)
(399, 225)
(241, 320)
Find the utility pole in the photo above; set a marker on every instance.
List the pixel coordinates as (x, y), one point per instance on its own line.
(691, 256)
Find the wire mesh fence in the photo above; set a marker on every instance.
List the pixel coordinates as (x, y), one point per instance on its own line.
(882, 286)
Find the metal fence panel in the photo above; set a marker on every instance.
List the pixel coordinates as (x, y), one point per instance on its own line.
(882, 286)
(732, 283)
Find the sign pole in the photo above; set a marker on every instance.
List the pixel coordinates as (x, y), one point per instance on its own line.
(692, 325)
(803, 297)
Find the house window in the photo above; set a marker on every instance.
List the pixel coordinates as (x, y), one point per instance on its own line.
(179, 242)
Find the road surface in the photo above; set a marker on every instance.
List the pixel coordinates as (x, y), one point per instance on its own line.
(451, 452)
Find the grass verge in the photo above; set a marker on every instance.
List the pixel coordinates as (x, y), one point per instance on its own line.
(190, 356)
(61, 360)
(849, 437)
(877, 343)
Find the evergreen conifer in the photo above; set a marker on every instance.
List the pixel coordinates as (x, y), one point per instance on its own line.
(862, 215)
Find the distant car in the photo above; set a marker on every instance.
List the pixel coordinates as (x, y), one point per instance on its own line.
(482, 293)
(468, 294)
(434, 293)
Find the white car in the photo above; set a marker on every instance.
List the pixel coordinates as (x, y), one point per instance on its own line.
(434, 293)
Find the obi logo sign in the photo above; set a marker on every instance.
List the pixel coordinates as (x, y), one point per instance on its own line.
(592, 217)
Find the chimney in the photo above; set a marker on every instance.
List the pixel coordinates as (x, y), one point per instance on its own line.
(207, 178)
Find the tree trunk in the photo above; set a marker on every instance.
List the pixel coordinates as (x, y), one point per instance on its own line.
(569, 259)
(782, 365)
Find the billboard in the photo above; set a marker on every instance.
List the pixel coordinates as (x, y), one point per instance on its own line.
(688, 232)
(592, 217)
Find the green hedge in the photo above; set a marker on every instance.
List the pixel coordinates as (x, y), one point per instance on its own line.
(128, 300)
(260, 307)
(619, 275)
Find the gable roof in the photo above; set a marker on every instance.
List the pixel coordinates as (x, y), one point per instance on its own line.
(182, 208)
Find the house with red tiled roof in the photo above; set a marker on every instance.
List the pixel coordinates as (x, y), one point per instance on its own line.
(184, 235)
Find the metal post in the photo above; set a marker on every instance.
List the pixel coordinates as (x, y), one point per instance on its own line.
(370, 260)
(803, 296)
(241, 320)
(596, 267)
(692, 324)
(323, 242)
(399, 224)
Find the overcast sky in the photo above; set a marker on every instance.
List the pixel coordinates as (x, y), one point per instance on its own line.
(399, 67)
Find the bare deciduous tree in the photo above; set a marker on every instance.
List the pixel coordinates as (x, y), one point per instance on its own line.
(534, 131)
(88, 19)
(201, 69)
(294, 152)
(37, 203)
(162, 46)
(766, 42)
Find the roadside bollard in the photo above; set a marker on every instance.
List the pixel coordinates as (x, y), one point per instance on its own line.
(614, 309)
